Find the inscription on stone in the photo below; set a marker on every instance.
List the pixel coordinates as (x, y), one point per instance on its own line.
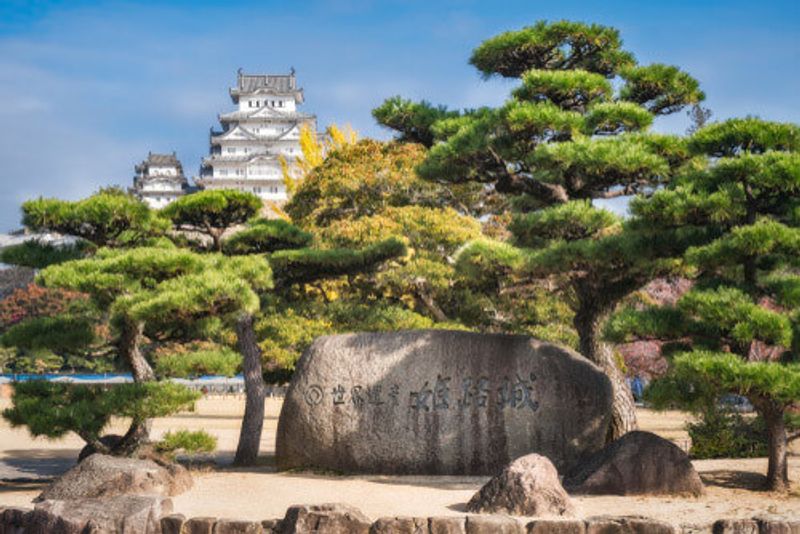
(440, 402)
(517, 393)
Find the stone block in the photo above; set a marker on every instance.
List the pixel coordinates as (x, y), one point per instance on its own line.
(446, 525)
(735, 526)
(628, 525)
(493, 524)
(334, 518)
(237, 526)
(172, 524)
(556, 526)
(200, 525)
(400, 525)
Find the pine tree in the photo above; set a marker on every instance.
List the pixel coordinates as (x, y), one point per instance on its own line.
(566, 137)
(212, 212)
(745, 298)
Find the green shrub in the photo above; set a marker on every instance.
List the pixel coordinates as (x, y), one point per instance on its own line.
(720, 433)
(213, 361)
(187, 441)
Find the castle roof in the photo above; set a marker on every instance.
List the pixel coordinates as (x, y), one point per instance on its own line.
(278, 84)
(240, 133)
(265, 114)
(159, 160)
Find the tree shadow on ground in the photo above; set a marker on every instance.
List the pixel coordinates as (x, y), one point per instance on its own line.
(36, 464)
(728, 478)
(458, 507)
(15, 487)
(442, 482)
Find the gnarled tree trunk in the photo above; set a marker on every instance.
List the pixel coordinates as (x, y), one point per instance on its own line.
(253, 421)
(778, 467)
(129, 348)
(623, 411)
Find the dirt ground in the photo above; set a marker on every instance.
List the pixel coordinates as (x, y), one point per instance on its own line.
(261, 493)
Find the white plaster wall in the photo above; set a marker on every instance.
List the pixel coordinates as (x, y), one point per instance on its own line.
(163, 171)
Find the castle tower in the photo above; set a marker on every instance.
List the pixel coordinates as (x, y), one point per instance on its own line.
(159, 180)
(265, 125)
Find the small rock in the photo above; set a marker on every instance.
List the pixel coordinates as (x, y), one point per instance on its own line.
(108, 476)
(638, 463)
(556, 526)
(527, 486)
(329, 518)
(493, 524)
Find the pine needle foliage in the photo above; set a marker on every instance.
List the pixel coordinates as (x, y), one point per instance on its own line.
(745, 299)
(109, 218)
(306, 265)
(266, 235)
(38, 255)
(52, 410)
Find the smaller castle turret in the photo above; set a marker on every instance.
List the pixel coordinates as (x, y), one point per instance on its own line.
(159, 180)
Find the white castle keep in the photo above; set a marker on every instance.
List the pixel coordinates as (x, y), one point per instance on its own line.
(266, 125)
(159, 180)
(245, 153)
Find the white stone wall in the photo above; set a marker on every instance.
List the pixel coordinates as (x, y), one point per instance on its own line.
(279, 103)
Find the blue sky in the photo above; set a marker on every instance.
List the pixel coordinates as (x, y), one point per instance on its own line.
(87, 88)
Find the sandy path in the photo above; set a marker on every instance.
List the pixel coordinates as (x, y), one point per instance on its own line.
(262, 493)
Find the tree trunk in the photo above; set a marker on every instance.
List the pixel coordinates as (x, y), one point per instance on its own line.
(253, 421)
(216, 236)
(623, 409)
(426, 301)
(129, 341)
(778, 469)
(129, 348)
(138, 434)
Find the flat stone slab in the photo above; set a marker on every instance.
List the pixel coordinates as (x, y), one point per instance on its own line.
(440, 402)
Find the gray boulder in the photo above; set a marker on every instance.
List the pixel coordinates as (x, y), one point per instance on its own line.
(527, 486)
(639, 463)
(329, 518)
(107, 476)
(131, 514)
(440, 402)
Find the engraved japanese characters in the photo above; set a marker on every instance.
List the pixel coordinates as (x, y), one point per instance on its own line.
(439, 402)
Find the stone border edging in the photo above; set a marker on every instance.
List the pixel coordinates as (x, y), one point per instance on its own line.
(14, 521)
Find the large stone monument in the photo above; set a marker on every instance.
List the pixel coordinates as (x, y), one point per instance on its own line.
(440, 402)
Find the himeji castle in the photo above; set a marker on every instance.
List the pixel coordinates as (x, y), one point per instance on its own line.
(266, 124)
(159, 180)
